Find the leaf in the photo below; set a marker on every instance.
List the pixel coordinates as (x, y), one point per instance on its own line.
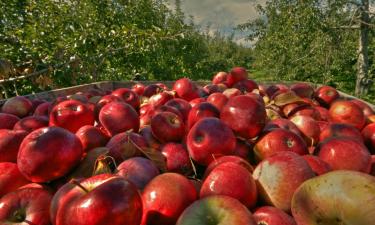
(286, 98)
(87, 166)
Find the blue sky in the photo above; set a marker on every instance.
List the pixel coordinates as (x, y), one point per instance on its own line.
(220, 14)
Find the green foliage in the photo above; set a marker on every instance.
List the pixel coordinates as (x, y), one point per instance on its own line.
(109, 40)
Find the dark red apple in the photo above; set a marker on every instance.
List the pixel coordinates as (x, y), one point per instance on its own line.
(138, 170)
(196, 101)
(48, 153)
(284, 124)
(219, 78)
(303, 90)
(31, 123)
(347, 112)
(25, 206)
(125, 145)
(152, 89)
(200, 111)
(324, 113)
(326, 95)
(368, 134)
(10, 141)
(317, 164)
(152, 142)
(211, 88)
(18, 106)
(309, 111)
(218, 100)
(10, 178)
(165, 108)
(185, 89)
(118, 117)
(236, 75)
(210, 138)
(105, 100)
(343, 153)
(165, 197)
(279, 140)
(340, 130)
(160, 98)
(309, 127)
(71, 115)
(228, 158)
(246, 86)
(268, 215)
(91, 137)
(245, 115)
(128, 96)
(177, 157)
(243, 149)
(7, 121)
(231, 92)
(138, 88)
(167, 127)
(181, 105)
(366, 109)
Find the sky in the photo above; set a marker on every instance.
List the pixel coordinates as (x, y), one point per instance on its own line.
(221, 15)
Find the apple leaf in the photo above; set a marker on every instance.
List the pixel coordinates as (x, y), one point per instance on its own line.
(286, 98)
(155, 156)
(87, 166)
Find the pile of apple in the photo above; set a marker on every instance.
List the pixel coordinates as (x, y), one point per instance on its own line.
(231, 153)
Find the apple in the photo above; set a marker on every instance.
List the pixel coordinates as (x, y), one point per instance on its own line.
(10, 141)
(125, 145)
(231, 179)
(245, 115)
(31, 123)
(326, 95)
(185, 89)
(102, 199)
(128, 96)
(242, 149)
(231, 92)
(216, 209)
(218, 100)
(274, 88)
(340, 130)
(167, 127)
(165, 197)
(181, 105)
(177, 157)
(138, 88)
(246, 86)
(196, 101)
(18, 106)
(343, 153)
(368, 134)
(228, 158)
(152, 89)
(291, 108)
(268, 215)
(165, 108)
(347, 112)
(303, 90)
(7, 121)
(138, 170)
(324, 113)
(317, 164)
(211, 88)
(48, 153)
(200, 111)
(309, 127)
(25, 206)
(236, 75)
(71, 115)
(279, 176)
(91, 137)
(103, 101)
(210, 138)
(118, 117)
(279, 140)
(152, 142)
(284, 124)
(160, 98)
(10, 178)
(366, 109)
(309, 111)
(219, 78)
(338, 197)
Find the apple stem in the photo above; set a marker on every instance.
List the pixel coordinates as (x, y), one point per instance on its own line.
(79, 185)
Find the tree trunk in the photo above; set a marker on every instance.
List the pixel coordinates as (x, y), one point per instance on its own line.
(363, 83)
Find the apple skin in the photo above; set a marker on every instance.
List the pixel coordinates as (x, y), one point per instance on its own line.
(344, 153)
(231, 92)
(181, 105)
(104, 100)
(236, 75)
(161, 98)
(200, 111)
(228, 158)
(138, 88)
(284, 124)
(246, 86)
(303, 90)
(279, 140)
(152, 89)
(118, 117)
(10, 141)
(340, 130)
(366, 109)
(326, 95)
(25, 206)
(48, 153)
(138, 170)
(347, 112)
(216, 209)
(109, 200)
(317, 164)
(128, 96)
(10, 178)
(31, 123)
(220, 78)
(167, 127)
(338, 197)
(196, 101)
(7, 121)
(18, 106)
(91, 137)
(279, 176)
(368, 134)
(177, 157)
(231, 179)
(185, 89)
(42, 109)
(245, 115)
(309, 128)
(165, 197)
(324, 113)
(210, 138)
(218, 100)
(71, 115)
(309, 111)
(269, 215)
(165, 108)
(152, 142)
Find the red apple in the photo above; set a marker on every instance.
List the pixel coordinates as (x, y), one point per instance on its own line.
(210, 138)
(236, 75)
(152, 89)
(231, 92)
(177, 157)
(10, 141)
(196, 101)
(324, 113)
(48, 153)
(91, 137)
(117, 117)
(25, 206)
(242, 149)
(343, 153)
(167, 127)
(31, 123)
(368, 134)
(269, 215)
(309, 111)
(340, 130)
(71, 115)
(219, 78)
(152, 142)
(10, 178)
(245, 115)
(211, 88)
(102, 199)
(138, 88)
(347, 112)
(309, 127)
(105, 100)
(7, 121)
(185, 89)
(279, 140)
(317, 164)
(279, 176)
(128, 96)
(326, 95)
(165, 197)
(160, 98)
(218, 100)
(181, 105)
(125, 145)
(165, 108)
(216, 209)
(366, 109)
(18, 106)
(303, 90)
(140, 171)
(284, 124)
(200, 111)
(246, 86)
(228, 158)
